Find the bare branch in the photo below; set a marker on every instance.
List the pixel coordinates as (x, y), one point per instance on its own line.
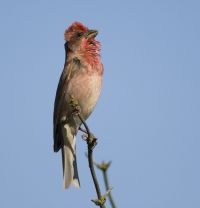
(91, 143)
(104, 168)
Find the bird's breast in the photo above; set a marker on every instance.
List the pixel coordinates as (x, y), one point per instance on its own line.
(85, 88)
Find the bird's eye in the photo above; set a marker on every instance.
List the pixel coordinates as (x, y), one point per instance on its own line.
(79, 34)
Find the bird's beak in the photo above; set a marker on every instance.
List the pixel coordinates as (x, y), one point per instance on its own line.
(91, 34)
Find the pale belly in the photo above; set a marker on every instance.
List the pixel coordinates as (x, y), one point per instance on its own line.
(86, 90)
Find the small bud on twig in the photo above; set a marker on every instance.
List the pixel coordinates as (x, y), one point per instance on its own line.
(103, 166)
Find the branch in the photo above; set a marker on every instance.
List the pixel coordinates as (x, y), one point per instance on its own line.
(91, 143)
(104, 167)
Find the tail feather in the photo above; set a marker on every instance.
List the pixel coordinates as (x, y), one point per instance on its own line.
(70, 172)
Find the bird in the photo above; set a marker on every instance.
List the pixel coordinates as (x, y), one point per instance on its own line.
(81, 79)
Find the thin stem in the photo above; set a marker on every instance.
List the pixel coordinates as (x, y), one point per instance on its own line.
(90, 159)
(85, 125)
(105, 177)
(83, 130)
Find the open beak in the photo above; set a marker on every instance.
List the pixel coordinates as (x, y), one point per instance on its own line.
(91, 34)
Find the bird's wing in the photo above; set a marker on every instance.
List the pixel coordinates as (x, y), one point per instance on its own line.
(57, 109)
(69, 70)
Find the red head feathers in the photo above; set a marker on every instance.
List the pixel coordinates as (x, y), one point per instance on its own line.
(82, 39)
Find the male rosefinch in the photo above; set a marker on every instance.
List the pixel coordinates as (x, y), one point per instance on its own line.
(81, 79)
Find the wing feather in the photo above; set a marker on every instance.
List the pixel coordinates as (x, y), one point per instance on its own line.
(70, 67)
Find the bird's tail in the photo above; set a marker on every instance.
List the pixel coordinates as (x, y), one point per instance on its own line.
(70, 172)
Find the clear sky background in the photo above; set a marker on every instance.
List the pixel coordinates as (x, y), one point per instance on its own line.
(147, 119)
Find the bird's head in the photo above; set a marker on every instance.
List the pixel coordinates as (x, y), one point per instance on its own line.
(80, 37)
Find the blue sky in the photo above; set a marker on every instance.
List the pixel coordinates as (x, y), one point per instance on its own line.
(147, 119)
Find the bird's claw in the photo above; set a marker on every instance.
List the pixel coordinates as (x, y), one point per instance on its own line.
(92, 141)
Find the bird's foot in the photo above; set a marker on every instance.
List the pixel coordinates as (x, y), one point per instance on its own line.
(91, 141)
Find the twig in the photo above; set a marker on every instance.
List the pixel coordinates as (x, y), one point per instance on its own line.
(91, 142)
(83, 130)
(104, 168)
(105, 177)
(85, 125)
